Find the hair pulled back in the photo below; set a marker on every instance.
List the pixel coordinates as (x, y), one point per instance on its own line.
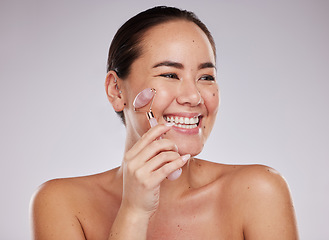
(126, 44)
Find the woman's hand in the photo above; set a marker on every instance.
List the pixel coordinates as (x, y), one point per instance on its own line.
(145, 166)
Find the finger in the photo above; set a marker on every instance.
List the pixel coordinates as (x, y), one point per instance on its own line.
(151, 151)
(159, 160)
(148, 138)
(157, 147)
(162, 173)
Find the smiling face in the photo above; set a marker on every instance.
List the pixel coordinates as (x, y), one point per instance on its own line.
(178, 61)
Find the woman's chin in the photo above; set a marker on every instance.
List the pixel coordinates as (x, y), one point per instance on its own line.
(186, 148)
(186, 144)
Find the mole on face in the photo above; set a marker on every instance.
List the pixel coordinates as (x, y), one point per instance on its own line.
(213, 94)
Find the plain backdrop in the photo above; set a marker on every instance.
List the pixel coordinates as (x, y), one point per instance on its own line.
(56, 121)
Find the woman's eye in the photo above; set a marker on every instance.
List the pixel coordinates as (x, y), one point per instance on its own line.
(169, 75)
(207, 78)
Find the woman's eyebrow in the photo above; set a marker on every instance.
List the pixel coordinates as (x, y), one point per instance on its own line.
(169, 64)
(207, 65)
(181, 66)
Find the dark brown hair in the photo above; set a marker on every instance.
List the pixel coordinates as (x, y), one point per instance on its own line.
(126, 48)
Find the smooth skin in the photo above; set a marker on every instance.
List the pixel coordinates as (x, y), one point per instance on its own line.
(136, 201)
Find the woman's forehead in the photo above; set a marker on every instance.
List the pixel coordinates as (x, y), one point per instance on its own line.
(176, 40)
(173, 31)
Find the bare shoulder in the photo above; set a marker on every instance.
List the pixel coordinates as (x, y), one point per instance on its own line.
(67, 188)
(57, 188)
(259, 195)
(256, 185)
(63, 190)
(264, 202)
(260, 178)
(57, 204)
(242, 178)
(51, 209)
(70, 193)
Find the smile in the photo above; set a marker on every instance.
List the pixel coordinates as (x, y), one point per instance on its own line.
(183, 122)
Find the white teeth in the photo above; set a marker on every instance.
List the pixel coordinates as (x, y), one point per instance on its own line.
(183, 122)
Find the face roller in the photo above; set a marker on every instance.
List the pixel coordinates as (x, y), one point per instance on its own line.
(141, 100)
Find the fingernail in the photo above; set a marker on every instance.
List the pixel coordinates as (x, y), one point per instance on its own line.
(186, 157)
(169, 124)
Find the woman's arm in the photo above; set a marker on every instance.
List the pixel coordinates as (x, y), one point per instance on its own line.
(268, 208)
(144, 167)
(129, 225)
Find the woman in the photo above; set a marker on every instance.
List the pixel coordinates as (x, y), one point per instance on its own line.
(171, 51)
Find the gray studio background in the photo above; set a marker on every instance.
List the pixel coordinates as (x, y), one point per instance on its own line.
(56, 122)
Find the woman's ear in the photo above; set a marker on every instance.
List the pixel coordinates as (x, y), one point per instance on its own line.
(113, 92)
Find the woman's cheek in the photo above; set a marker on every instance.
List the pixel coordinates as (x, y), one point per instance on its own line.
(211, 98)
(164, 93)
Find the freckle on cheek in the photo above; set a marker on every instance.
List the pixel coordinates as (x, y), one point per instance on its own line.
(213, 94)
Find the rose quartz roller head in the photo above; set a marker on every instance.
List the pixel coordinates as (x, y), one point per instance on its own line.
(141, 100)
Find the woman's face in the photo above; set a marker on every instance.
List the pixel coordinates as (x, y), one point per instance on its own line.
(178, 61)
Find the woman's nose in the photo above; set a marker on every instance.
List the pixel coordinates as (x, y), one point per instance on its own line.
(188, 93)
